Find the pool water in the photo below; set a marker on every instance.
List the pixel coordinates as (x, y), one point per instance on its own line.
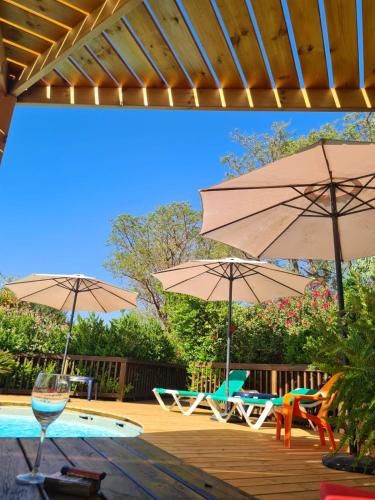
(19, 422)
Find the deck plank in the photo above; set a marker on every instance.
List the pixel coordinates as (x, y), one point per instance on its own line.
(13, 462)
(242, 458)
(116, 486)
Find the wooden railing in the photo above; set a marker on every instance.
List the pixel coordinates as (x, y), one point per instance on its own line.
(274, 378)
(125, 378)
(118, 378)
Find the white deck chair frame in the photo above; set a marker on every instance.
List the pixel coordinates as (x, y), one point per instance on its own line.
(239, 405)
(177, 401)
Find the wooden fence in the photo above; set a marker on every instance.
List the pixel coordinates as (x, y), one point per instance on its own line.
(125, 378)
(118, 378)
(276, 378)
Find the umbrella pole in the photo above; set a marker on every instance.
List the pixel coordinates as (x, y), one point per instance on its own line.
(70, 326)
(229, 329)
(337, 247)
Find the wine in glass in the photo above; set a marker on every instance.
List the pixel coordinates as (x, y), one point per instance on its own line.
(48, 400)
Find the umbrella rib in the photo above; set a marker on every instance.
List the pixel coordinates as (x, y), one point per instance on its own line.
(243, 277)
(65, 300)
(313, 212)
(88, 284)
(290, 225)
(251, 290)
(118, 296)
(353, 211)
(30, 281)
(354, 196)
(280, 283)
(259, 212)
(339, 186)
(180, 268)
(327, 163)
(225, 270)
(276, 269)
(315, 201)
(37, 291)
(214, 288)
(186, 279)
(97, 300)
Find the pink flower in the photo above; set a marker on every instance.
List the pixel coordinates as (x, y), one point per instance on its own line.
(288, 322)
(316, 293)
(327, 293)
(325, 304)
(292, 314)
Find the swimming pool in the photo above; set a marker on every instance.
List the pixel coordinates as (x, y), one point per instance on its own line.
(20, 422)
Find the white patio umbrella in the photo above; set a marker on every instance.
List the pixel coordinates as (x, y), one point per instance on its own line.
(72, 292)
(231, 280)
(316, 204)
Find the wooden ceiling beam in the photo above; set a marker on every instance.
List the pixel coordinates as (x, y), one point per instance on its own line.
(206, 99)
(106, 14)
(3, 66)
(7, 104)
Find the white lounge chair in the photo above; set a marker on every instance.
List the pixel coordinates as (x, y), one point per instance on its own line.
(237, 378)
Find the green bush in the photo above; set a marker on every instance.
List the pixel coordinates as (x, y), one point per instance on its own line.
(7, 363)
(29, 327)
(283, 331)
(355, 398)
(132, 335)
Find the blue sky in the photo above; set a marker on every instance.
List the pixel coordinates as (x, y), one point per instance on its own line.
(67, 172)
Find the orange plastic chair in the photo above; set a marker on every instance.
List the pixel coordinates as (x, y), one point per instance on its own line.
(291, 408)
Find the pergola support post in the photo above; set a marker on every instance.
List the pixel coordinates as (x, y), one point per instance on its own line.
(7, 103)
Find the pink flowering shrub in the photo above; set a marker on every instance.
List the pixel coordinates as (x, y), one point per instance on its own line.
(292, 325)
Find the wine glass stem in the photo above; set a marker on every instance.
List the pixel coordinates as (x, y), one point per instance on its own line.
(40, 449)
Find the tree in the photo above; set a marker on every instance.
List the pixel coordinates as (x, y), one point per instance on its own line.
(143, 245)
(263, 148)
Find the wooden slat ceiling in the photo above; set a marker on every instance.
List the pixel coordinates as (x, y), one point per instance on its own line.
(193, 54)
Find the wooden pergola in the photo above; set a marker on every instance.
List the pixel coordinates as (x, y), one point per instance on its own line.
(187, 54)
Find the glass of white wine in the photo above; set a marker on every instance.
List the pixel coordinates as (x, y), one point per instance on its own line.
(48, 400)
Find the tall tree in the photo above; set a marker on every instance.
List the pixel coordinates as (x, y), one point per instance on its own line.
(263, 148)
(145, 244)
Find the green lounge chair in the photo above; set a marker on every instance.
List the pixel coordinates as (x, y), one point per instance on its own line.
(237, 378)
(239, 404)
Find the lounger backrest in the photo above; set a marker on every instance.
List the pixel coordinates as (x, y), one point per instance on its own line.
(237, 378)
(326, 392)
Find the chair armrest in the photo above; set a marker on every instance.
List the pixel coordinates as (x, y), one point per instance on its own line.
(296, 398)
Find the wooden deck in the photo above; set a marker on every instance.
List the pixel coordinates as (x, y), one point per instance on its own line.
(250, 460)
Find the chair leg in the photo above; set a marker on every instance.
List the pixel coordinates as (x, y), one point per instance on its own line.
(331, 438)
(321, 435)
(216, 410)
(265, 413)
(194, 406)
(279, 423)
(161, 402)
(288, 416)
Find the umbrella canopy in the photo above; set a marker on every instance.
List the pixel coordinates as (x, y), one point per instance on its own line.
(59, 291)
(252, 281)
(72, 292)
(284, 210)
(232, 279)
(316, 204)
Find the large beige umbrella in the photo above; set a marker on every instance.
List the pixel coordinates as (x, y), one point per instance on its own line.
(72, 292)
(316, 204)
(232, 279)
